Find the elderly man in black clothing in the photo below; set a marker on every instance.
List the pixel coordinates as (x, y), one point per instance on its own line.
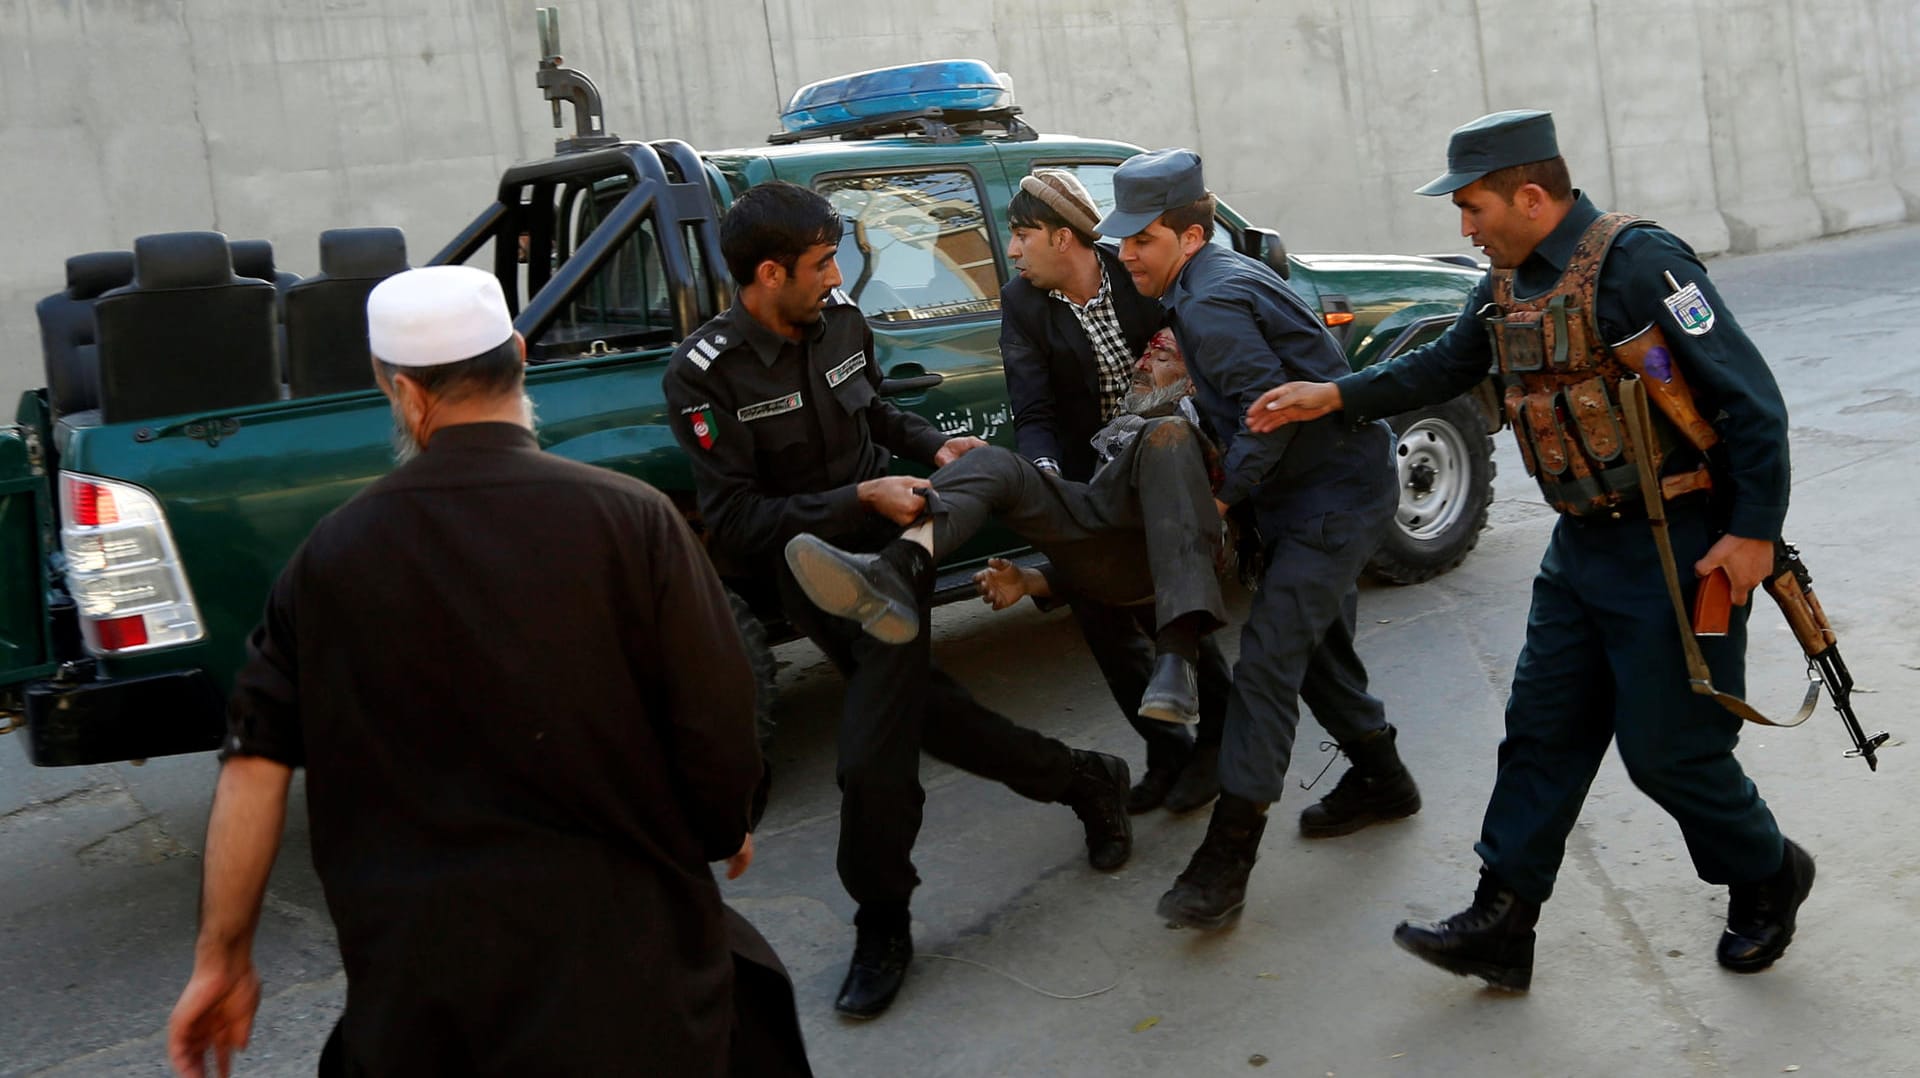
(517, 863)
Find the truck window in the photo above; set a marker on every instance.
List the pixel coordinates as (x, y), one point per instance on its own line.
(1097, 177)
(916, 244)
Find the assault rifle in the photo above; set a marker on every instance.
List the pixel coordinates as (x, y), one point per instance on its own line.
(1792, 587)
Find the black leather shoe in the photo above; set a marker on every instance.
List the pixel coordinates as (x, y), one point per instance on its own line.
(1760, 916)
(1491, 939)
(1151, 791)
(1199, 781)
(866, 588)
(1174, 693)
(1214, 886)
(1098, 795)
(1375, 789)
(879, 968)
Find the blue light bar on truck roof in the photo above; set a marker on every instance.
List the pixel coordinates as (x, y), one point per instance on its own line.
(953, 85)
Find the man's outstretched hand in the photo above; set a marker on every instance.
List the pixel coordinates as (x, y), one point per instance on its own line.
(1294, 402)
(1003, 583)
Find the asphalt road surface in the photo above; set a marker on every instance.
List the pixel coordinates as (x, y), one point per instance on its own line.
(99, 866)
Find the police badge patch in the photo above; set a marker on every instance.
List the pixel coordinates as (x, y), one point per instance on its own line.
(854, 364)
(1690, 309)
(769, 407)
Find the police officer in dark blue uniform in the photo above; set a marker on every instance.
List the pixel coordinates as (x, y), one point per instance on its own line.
(1323, 494)
(1571, 292)
(776, 403)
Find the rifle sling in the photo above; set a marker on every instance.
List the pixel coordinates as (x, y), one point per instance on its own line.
(1633, 407)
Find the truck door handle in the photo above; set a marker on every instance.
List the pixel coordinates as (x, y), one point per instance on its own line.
(915, 383)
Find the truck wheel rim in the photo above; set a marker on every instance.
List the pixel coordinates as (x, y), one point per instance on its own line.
(1435, 477)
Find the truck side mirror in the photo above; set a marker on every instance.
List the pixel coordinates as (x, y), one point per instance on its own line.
(1265, 245)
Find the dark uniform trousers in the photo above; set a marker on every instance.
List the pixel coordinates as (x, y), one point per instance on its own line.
(1602, 663)
(899, 703)
(1298, 642)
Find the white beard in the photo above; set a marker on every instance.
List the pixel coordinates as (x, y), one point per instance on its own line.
(406, 446)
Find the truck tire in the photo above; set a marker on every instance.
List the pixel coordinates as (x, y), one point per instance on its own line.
(1445, 460)
(760, 659)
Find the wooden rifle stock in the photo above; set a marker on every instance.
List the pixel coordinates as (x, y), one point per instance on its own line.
(1647, 355)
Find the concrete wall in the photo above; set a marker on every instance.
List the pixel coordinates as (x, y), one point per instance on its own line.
(1740, 123)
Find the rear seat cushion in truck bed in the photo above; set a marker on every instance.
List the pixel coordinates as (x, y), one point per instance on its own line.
(67, 339)
(187, 335)
(327, 313)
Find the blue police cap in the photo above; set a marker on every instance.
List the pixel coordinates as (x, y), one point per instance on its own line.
(1493, 142)
(1146, 186)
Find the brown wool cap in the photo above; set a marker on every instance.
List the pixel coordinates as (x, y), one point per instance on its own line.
(1067, 196)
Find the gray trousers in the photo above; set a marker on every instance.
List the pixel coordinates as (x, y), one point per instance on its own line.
(1144, 526)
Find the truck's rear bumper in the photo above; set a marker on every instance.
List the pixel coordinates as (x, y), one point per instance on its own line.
(103, 721)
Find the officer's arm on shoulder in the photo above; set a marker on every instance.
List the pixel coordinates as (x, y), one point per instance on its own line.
(1029, 390)
(741, 516)
(1435, 372)
(698, 673)
(1731, 382)
(1240, 362)
(903, 432)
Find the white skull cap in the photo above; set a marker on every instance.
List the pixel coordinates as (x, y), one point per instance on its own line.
(436, 315)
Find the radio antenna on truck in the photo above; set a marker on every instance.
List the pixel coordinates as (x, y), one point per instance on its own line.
(565, 84)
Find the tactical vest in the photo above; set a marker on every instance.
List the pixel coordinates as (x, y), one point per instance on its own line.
(1563, 388)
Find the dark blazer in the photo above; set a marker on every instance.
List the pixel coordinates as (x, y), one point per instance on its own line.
(1051, 376)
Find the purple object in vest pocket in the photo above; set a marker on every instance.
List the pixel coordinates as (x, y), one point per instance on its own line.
(1660, 363)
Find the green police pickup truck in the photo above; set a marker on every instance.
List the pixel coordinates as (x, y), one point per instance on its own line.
(202, 411)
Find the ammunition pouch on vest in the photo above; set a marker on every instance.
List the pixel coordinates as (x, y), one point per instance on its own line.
(1562, 387)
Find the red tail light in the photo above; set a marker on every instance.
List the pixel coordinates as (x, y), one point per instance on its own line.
(123, 569)
(92, 504)
(117, 634)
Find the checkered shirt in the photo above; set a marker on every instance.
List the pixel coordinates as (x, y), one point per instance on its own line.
(1110, 352)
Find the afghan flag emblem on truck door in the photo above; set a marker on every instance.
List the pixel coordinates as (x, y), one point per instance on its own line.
(702, 423)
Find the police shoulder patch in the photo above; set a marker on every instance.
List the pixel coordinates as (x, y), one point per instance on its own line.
(1690, 309)
(702, 423)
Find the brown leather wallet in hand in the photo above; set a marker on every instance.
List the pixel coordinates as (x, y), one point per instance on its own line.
(1713, 604)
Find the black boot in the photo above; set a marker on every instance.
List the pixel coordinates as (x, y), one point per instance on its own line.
(1214, 886)
(1199, 781)
(1163, 769)
(1491, 939)
(1375, 789)
(1760, 916)
(1098, 795)
(881, 953)
(876, 590)
(1174, 693)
